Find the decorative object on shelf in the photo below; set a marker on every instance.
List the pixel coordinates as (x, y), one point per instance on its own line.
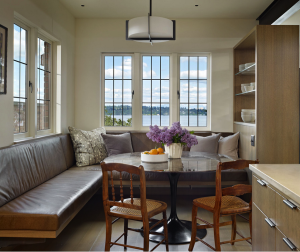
(150, 29)
(3, 59)
(248, 115)
(172, 139)
(241, 67)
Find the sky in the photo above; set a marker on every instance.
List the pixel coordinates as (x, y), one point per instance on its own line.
(118, 66)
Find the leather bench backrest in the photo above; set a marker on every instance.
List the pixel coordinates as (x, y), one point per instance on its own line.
(25, 166)
(140, 142)
(69, 152)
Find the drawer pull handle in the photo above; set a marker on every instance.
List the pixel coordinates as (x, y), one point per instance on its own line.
(289, 204)
(262, 183)
(289, 243)
(271, 224)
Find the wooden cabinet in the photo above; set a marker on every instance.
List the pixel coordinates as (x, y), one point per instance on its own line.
(276, 219)
(263, 235)
(275, 51)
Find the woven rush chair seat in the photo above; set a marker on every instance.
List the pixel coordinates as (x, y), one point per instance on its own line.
(153, 208)
(228, 204)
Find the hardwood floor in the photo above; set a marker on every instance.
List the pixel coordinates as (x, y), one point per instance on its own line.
(86, 232)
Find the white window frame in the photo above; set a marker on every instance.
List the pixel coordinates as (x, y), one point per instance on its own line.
(102, 92)
(208, 90)
(137, 101)
(52, 107)
(146, 128)
(33, 33)
(28, 126)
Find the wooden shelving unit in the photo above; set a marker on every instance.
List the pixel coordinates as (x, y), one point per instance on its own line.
(275, 51)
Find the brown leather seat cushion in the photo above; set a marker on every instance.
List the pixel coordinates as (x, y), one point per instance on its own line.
(52, 203)
(25, 166)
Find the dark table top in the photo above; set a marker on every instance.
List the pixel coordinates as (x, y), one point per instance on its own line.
(189, 162)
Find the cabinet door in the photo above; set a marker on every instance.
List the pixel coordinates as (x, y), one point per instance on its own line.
(282, 245)
(264, 197)
(288, 219)
(263, 235)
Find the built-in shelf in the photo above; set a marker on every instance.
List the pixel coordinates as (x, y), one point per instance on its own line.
(247, 93)
(243, 123)
(247, 71)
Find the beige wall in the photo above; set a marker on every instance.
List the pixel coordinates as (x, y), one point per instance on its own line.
(94, 36)
(55, 19)
(293, 20)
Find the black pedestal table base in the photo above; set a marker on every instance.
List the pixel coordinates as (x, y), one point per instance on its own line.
(179, 231)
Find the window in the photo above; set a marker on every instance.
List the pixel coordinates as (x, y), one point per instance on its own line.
(193, 91)
(20, 80)
(118, 91)
(43, 85)
(156, 83)
(139, 90)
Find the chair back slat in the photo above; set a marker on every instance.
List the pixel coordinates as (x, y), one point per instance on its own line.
(131, 189)
(112, 187)
(121, 188)
(237, 165)
(129, 203)
(237, 190)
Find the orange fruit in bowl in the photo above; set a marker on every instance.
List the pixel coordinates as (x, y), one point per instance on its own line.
(160, 150)
(153, 152)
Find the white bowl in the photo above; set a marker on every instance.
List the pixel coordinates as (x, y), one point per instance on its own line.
(249, 64)
(243, 87)
(252, 84)
(247, 118)
(154, 158)
(248, 88)
(241, 67)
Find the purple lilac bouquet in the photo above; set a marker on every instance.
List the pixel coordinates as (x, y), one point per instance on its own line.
(175, 134)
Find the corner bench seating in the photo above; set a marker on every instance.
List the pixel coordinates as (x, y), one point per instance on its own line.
(41, 189)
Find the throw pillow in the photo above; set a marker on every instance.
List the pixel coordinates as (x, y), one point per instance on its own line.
(207, 144)
(229, 145)
(88, 145)
(118, 144)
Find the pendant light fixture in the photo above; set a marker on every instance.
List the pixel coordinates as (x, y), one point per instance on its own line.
(150, 29)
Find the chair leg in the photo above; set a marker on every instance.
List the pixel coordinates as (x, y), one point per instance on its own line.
(108, 233)
(146, 235)
(217, 232)
(233, 228)
(250, 224)
(125, 232)
(166, 230)
(194, 228)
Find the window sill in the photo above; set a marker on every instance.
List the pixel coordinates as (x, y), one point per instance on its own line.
(22, 140)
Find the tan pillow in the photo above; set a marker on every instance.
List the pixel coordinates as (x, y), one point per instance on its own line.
(207, 144)
(88, 145)
(228, 146)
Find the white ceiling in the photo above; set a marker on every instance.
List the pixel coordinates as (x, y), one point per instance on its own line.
(245, 9)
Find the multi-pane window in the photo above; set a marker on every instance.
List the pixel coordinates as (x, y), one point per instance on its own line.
(193, 91)
(118, 91)
(20, 79)
(43, 85)
(156, 84)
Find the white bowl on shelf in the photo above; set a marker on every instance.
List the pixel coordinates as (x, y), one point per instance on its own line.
(247, 118)
(243, 87)
(249, 64)
(248, 110)
(252, 84)
(241, 67)
(248, 88)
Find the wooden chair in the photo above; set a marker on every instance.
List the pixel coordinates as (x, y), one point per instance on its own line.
(136, 209)
(225, 203)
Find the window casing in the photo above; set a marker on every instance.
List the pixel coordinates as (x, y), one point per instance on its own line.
(144, 92)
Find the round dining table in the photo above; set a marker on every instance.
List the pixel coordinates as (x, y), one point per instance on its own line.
(179, 231)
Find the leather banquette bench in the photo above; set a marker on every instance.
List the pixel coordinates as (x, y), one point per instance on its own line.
(41, 189)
